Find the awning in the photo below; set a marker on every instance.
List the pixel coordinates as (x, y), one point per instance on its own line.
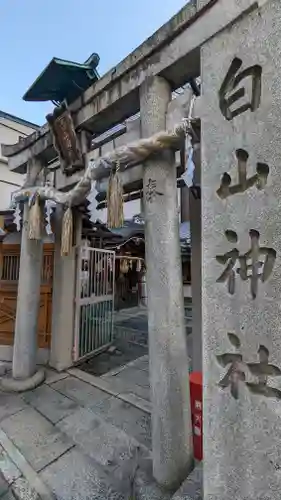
(63, 79)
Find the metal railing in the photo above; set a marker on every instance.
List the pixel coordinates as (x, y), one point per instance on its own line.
(94, 301)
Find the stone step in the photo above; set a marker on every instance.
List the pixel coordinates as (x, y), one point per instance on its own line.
(76, 476)
(100, 449)
(65, 473)
(192, 487)
(122, 458)
(105, 443)
(100, 461)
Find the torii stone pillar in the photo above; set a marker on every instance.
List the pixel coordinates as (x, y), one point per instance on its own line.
(169, 378)
(24, 374)
(63, 324)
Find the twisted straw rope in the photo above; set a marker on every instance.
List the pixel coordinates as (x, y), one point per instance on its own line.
(129, 154)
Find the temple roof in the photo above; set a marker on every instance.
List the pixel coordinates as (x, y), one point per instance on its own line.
(63, 79)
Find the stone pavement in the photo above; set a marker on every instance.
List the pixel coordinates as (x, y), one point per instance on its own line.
(80, 437)
(132, 324)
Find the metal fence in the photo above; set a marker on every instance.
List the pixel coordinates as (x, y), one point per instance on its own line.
(94, 301)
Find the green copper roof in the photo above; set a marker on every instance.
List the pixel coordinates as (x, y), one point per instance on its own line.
(63, 80)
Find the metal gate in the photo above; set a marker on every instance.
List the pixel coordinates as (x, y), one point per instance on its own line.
(94, 301)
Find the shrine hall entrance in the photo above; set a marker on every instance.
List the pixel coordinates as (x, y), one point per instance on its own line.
(94, 307)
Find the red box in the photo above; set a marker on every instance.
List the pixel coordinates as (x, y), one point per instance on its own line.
(196, 398)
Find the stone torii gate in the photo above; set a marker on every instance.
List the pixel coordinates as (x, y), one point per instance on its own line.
(236, 43)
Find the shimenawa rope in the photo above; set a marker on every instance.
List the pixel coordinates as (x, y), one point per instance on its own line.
(129, 154)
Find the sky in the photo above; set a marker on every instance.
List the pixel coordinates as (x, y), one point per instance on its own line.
(33, 32)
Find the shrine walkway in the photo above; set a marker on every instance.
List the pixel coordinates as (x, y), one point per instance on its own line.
(130, 340)
(79, 436)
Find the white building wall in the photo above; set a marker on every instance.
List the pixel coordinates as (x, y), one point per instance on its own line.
(8, 184)
(10, 133)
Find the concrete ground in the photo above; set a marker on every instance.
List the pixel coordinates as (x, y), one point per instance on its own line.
(74, 440)
(80, 436)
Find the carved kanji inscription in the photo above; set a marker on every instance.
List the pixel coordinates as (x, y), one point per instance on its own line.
(256, 264)
(238, 370)
(230, 94)
(259, 179)
(151, 191)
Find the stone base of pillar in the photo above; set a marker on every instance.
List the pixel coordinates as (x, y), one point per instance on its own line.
(22, 385)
